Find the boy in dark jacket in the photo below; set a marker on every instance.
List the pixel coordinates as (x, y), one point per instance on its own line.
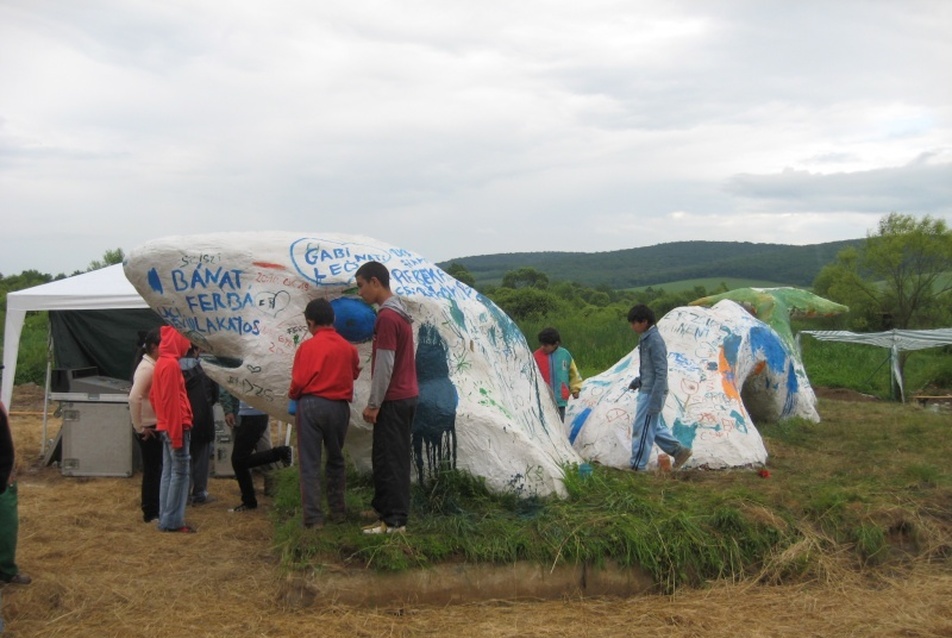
(652, 386)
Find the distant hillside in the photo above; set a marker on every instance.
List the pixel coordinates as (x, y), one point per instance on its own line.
(651, 265)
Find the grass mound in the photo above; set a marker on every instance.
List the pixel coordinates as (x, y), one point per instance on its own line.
(865, 487)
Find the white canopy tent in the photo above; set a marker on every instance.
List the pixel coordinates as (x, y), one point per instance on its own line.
(895, 340)
(103, 289)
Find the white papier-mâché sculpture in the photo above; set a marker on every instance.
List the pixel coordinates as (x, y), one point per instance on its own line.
(483, 405)
(724, 367)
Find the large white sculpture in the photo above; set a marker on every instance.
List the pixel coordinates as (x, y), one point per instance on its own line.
(241, 296)
(725, 370)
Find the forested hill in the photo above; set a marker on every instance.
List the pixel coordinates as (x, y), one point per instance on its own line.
(652, 265)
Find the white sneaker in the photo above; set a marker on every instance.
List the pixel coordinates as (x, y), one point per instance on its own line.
(382, 528)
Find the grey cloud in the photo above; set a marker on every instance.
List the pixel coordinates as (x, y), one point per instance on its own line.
(155, 37)
(917, 187)
(471, 128)
(756, 55)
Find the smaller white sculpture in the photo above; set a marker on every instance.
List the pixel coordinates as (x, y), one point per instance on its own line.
(725, 369)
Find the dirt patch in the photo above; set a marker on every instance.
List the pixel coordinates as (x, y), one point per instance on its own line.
(843, 394)
(99, 571)
(27, 398)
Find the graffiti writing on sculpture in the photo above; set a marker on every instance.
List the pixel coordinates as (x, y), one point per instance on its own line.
(249, 388)
(322, 261)
(186, 323)
(271, 278)
(325, 262)
(195, 259)
(208, 290)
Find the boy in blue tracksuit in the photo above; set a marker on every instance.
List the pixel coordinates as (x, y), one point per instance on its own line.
(652, 385)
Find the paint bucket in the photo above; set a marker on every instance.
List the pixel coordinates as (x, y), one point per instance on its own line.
(584, 470)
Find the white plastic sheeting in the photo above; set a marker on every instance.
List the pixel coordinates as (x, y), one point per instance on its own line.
(895, 341)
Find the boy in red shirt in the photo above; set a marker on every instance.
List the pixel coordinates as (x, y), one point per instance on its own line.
(322, 383)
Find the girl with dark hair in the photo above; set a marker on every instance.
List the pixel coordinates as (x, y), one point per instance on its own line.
(143, 421)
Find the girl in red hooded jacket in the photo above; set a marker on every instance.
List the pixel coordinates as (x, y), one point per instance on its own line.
(173, 422)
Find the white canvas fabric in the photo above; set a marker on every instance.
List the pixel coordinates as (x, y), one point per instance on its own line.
(102, 289)
(895, 341)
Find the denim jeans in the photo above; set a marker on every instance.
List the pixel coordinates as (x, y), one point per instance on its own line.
(173, 492)
(646, 430)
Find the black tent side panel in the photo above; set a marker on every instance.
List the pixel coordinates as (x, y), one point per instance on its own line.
(106, 339)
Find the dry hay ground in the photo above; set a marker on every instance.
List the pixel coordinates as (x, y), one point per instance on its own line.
(99, 571)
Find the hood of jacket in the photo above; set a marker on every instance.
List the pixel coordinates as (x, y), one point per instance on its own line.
(396, 304)
(173, 344)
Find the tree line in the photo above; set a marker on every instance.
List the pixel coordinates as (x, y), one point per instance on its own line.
(899, 276)
(671, 262)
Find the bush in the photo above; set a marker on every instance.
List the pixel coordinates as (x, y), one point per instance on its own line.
(31, 359)
(526, 303)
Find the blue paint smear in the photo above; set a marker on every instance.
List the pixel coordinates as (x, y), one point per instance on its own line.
(684, 433)
(457, 314)
(509, 331)
(766, 341)
(577, 423)
(155, 283)
(438, 395)
(434, 423)
(622, 365)
(739, 421)
(679, 360)
(731, 347)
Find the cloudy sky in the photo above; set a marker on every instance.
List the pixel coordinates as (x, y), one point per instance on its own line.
(467, 128)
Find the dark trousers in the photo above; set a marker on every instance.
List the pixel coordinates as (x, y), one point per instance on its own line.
(9, 526)
(151, 449)
(391, 459)
(321, 425)
(201, 455)
(247, 432)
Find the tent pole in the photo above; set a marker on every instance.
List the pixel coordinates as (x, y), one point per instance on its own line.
(870, 377)
(46, 388)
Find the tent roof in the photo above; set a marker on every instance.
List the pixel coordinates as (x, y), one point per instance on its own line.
(95, 290)
(895, 340)
(899, 339)
(103, 289)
